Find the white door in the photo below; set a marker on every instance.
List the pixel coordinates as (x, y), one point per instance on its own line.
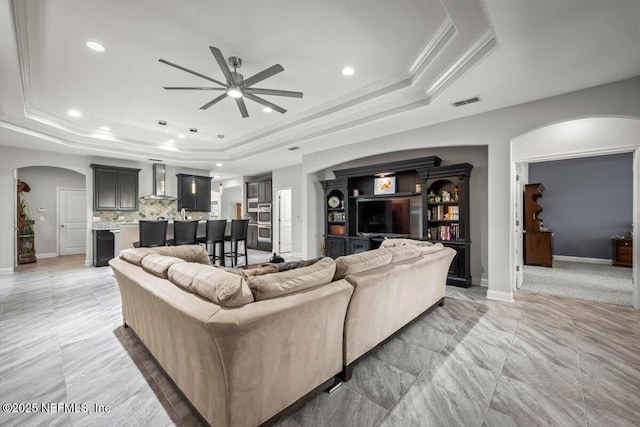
(522, 177)
(286, 222)
(72, 221)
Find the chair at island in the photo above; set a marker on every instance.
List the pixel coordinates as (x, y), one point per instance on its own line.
(152, 234)
(184, 233)
(214, 236)
(239, 228)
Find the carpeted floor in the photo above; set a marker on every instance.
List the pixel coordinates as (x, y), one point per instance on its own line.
(592, 282)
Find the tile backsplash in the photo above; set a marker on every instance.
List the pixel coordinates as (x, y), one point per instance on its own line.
(148, 209)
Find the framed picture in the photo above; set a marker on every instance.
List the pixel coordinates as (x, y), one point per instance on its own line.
(386, 185)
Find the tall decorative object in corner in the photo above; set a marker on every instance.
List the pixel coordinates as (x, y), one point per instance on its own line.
(26, 236)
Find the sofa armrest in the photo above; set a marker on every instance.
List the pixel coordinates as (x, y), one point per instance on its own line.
(275, 351)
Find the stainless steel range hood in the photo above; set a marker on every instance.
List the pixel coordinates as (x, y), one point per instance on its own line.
(159, 184)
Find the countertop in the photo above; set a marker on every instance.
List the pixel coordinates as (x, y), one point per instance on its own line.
(102, 225)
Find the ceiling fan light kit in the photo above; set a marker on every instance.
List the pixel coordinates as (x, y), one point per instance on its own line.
(236, 86)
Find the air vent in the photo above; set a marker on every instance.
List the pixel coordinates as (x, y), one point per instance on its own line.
(155, 160)
(466, 101)
(293, 148)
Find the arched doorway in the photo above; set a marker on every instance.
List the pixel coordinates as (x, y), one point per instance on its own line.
(56, 205)
(583, 137)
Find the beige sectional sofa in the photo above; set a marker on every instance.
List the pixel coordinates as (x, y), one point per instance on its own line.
(243, 346)
(239, 361)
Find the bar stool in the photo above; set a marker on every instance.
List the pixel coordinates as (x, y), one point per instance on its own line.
(215, 235)
(151, 234)
(238, 234)
(184, 233)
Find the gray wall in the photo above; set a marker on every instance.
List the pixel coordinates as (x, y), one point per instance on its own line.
(43, 182)
(230, 196)
(585, 202)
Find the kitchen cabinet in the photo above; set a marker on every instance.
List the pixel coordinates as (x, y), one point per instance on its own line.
(252, 190)
(200, 201)
(264, 191)
(252, 237)
(115, 188)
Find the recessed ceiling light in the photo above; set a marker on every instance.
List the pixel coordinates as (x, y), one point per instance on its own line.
(171, 141)
(267, 109)
(181, 136)
(93, 45)
(216, 177)
(219, 165)
(74, 113)
(348, 71)
(105, 128)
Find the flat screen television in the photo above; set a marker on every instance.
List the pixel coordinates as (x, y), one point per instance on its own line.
(386, 216)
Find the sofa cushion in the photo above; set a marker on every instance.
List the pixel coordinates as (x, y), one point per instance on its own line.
(403, 252)
(426, 250)
(278, 284)
(392, 243)
(215, 284)
(159, 264)
(247, 272)
(189, 253)
(135, 255)
(355, 263)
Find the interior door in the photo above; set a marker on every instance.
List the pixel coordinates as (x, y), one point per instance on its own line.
(522, 178)
(286, 221)
(72, 220)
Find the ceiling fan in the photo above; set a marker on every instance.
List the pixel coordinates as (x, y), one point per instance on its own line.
(236, 85)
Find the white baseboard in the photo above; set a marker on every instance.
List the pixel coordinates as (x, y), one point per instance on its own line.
(602, 261)
(88, 262)
(480, 281)
(4, 271)
(500, 296)
(297, 255)
(46, 255)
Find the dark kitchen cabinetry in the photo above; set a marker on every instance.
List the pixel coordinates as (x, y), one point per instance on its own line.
(264, 191)
(103, 243)
(115, 188)
(335, 247)
(252, 190)
(194, 193)
(252, 237)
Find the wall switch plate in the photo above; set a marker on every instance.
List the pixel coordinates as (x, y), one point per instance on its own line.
(41, 218)
(121, 218)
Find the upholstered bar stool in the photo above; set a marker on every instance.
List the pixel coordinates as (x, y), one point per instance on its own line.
(239, 229)
(215, 236)
(151, 234)
(184, 233)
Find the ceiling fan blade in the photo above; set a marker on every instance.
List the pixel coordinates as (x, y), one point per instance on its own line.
(264, 102)
(222, 63)
(264, 74)
(192, 88)
(191, 72)
(275, 92)
(242, 107)
(210, 103)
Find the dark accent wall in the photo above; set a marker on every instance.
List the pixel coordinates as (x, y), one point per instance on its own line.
(585, 202)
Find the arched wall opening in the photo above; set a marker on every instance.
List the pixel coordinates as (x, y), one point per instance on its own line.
(583, 137)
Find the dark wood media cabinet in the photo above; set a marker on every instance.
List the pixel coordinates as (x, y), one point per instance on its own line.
(439, 193)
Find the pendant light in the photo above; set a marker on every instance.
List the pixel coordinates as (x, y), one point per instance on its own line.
(162, 123)
(193, 178)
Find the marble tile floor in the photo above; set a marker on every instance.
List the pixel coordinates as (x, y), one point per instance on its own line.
(542, 360)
